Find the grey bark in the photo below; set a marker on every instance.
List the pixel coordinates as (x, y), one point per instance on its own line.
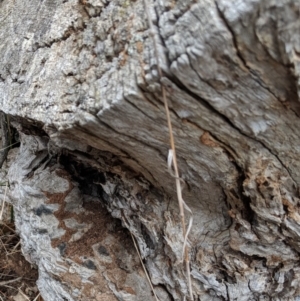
(79, 79)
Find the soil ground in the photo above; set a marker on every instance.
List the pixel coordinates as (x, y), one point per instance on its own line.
(17, 276)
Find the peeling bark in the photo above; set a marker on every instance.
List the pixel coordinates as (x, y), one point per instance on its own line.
(79, 80)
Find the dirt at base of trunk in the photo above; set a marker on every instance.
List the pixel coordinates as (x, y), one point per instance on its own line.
(17, 276)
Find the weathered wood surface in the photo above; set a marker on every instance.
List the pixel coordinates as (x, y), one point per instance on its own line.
(84, 74)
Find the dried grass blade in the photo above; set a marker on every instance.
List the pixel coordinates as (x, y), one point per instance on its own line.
(4, 283)
(35, 299)
(15, 247)
(25, 296)
(9, 146)
(172, 153)
(144, 268)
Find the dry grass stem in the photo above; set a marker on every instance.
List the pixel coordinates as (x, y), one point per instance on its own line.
(35, 299)
(4, 283)
(14, 248)
(8, 227)
(6, 252)
(144, 268)
(9, 146)
(181, 203)
(25, 296)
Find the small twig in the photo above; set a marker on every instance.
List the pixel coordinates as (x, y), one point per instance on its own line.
(181, 203)
(9, 146)
(141, 260)
(4, 283)
(11, 253)
(35, 299)
(20, 291)
(11, 287)
(14, 248)
(8, 227)
(3, 246)
(4, 275)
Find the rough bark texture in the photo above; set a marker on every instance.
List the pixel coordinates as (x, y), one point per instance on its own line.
(80, 82)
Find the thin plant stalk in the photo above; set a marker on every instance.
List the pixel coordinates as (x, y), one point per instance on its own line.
(9, 146)
(4, 283)
(144, 268)
(172, 144)
(35, 299)
(7, 226)
(15, 247)
(3, 245)
(25, 296)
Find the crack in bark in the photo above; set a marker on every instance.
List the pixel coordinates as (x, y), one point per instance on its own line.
(228, 121)
(278, 158)
(255, 76)
(206, 103)
(5, 137)
(227, 148)
(126, 155)
(138, 141)
(138, 109)
(162, 39)
(234, 40)
(130, 137)
(68, 33)
(227, 292)
(145, 93)
(239, 53)
(225, 118)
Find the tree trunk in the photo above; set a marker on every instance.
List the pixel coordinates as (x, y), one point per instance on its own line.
(80, 82)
